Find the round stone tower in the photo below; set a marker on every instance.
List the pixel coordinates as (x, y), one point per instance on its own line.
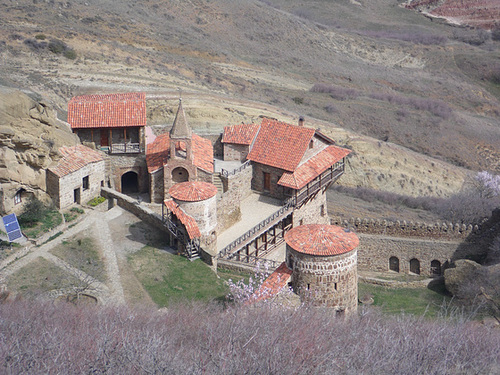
(323, 259)
(199, 200)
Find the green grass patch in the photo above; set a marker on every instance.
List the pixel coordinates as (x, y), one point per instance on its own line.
(39, 276)
(171, 278)
(82, 253)
(415, 301)
(96, 201)
(72, 214)
(50, 220)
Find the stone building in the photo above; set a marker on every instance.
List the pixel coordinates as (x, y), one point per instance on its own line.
(114, 123)
(178, 156)
(323, 260)
(77, 177)
(290, 162)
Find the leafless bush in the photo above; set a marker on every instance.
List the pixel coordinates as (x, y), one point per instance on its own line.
(472, 37)
(436, 107)
(330, 108)
(196, 339)
(35, 45)
(336, 92)
(413, 37)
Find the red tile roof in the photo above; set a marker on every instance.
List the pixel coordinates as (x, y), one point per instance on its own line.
(189, 223)
(107, 111)
(321, 240)
(313, 167)
(274, 284)
(280, 145)
(74, 158)
(243, 134)
(203, 153)
(193, 191)
(158, 151)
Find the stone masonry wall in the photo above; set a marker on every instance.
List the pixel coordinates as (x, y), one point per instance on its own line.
(121, 164)
(313, 212)
(203, 212)
(156, 186)
(326, 281)
(228, 206)
(276, 190)
(235, 152)
(62, 189)
(374, 252)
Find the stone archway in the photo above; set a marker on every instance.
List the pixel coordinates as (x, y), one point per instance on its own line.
(415, 266)
(436, 268)
(130, 183)
(394, 264)
(180, 174)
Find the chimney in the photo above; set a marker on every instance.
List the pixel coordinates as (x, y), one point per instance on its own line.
(301, 121)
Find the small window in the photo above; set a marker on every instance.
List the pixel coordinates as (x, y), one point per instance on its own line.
(323, 211)
(335, 286)
(308, 286)
(311, 143)
(85, 183)
(301, 222)
(18, 197)
(102, 183)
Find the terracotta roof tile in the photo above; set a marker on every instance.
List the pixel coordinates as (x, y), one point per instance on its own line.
(321, 240)
(243, 134)
(107, 111)
(189, 223)
(74, 158)
(274, 284)
(158, 151)
(280, 145)
(203, 153)
(193, 191)
(313, 167)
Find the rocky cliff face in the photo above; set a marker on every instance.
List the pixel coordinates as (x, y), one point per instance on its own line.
(30, 136)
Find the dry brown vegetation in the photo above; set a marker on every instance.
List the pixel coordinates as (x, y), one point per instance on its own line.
(207, 339)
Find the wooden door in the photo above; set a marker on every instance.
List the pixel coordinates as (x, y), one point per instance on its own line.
(104, 138)
(267, 181)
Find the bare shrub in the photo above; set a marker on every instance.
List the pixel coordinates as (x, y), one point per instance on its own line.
(436, 107)
(336, 92)
(472, 37)
(35, 45)
(205, 339)
(330, 108)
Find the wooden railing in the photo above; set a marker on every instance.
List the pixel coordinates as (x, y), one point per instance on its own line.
(283, 211)
(226, 173)
(319, 182)
(125, 148)
(192, 246)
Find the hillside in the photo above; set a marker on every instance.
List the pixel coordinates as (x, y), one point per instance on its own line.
(477, 13)
(386, 72)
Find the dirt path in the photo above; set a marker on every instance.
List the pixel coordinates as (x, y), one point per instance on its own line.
(118, 234)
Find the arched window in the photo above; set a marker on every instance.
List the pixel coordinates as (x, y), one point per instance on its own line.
(394, 264)
(415, 266)
(18, 198)
(436, 268)
(180, 174)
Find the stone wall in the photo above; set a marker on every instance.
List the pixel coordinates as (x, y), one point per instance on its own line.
(374, 252)
(407, 229)
(156, 186)
(121, 164)
(203, 212)
(235, 152)
(330, 281)
(62, 189)
(312, 212)
(238, 187)
(275, 190)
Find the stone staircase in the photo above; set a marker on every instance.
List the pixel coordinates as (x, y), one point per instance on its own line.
(217, 181)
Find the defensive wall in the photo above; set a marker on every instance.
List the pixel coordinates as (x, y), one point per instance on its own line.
(409, 247)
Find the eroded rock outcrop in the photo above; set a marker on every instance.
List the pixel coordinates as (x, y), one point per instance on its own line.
(30, 136)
